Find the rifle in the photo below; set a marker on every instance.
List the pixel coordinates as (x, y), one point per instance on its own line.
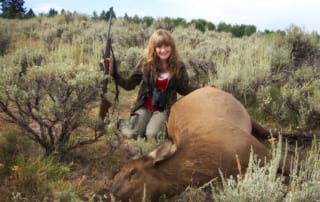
(105, 103)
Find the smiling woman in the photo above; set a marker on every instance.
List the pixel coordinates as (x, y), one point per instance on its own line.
(161, 76)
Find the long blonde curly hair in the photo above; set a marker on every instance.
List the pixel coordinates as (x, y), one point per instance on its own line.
(151, 60)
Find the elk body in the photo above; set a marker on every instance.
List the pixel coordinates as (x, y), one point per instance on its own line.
(209, 130)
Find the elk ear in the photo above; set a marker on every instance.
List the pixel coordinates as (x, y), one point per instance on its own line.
(164, 151)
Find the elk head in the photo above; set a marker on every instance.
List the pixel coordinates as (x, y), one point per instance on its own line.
(139, 178)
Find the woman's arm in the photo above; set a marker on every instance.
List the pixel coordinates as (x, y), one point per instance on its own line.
(132, 81)
(183, 85)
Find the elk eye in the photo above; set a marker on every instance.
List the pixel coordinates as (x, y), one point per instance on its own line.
(132, 172)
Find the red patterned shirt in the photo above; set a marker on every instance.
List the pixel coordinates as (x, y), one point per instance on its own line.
(160, 85)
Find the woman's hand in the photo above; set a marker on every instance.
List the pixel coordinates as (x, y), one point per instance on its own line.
(111, 67)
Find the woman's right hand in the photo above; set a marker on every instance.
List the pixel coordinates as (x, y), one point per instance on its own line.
(111, 66)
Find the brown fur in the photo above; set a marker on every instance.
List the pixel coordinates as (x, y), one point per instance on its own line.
(208, 129)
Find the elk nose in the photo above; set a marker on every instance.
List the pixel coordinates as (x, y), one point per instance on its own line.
(115, 190)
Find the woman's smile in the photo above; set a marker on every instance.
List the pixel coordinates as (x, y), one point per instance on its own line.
(163, 51)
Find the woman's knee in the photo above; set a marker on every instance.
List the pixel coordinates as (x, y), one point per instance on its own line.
(151, 132)
(155, 130)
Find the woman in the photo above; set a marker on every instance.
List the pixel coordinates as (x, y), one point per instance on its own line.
(161, 76)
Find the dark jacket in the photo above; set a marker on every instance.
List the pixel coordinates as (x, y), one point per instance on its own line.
(176, 84)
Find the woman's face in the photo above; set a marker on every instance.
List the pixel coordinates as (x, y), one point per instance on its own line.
(163, 51)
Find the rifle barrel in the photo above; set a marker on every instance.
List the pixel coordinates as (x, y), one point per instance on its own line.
(108, 43)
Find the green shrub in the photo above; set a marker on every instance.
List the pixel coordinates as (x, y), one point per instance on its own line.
(5, 41)
(56, 101)
(257, 184)
(305, 178)
(33, 175)
(9, 150)
(295, 103)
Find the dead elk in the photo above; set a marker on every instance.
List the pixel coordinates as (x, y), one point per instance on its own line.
(209, 130)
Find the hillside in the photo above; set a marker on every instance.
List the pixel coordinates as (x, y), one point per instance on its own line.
(276, 76)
